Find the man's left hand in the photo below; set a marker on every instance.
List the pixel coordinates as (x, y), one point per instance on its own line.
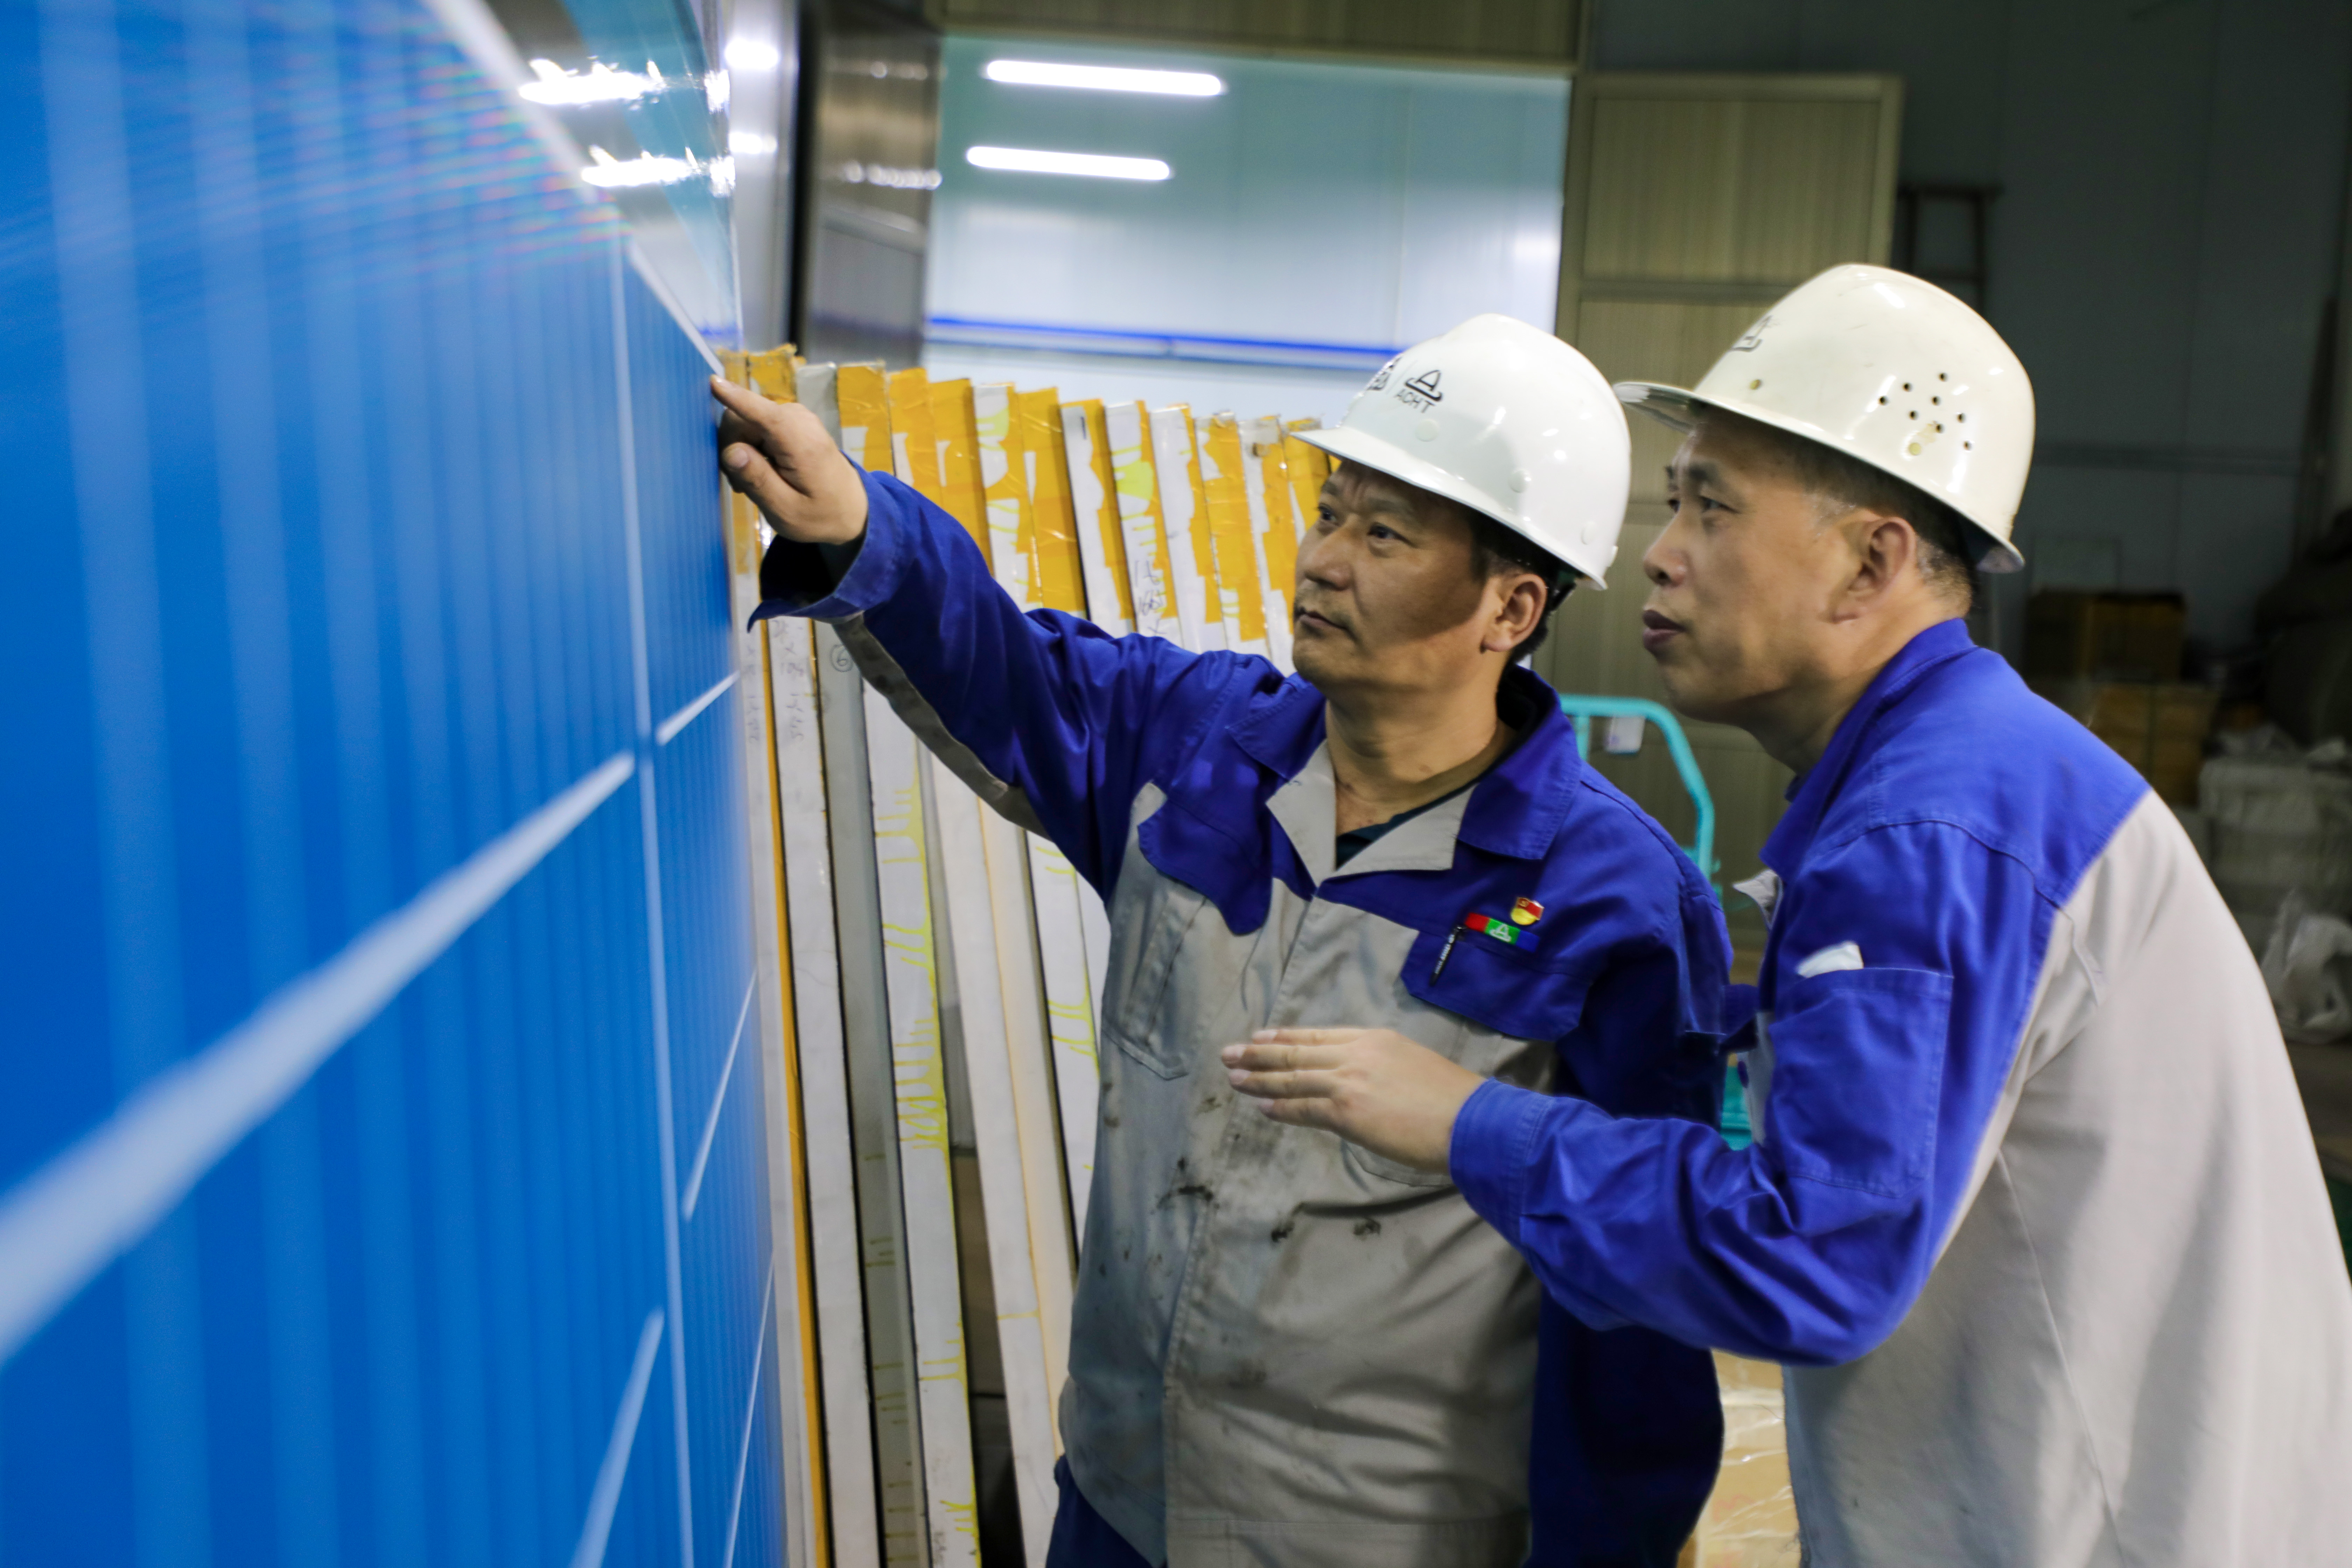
(1373, 1087)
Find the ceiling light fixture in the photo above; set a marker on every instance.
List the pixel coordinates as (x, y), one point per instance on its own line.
(1027, 161)
(1104, 79)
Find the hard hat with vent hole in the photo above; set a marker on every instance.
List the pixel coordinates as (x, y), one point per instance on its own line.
(1511, 422)
(1890, 370)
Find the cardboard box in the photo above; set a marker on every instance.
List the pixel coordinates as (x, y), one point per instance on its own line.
(2104, 637)
(2159, 727)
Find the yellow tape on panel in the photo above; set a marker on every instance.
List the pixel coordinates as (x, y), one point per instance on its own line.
(1004, 486)
(1241, 566)
(1184, 514)
(1307, 467)
(961, 490)
(1037, 445)
(1274, 523)
(914, 444)
(864, 398)
(1135, 480)
(1095, 501)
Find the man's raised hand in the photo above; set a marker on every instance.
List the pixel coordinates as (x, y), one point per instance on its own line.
(779, 454)
(1373, 1087)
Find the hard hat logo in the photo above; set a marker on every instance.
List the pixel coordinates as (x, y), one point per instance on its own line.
(1506, 419)
(1421, 390)
(1753, 338)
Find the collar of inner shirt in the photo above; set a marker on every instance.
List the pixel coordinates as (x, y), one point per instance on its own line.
(1514, 707)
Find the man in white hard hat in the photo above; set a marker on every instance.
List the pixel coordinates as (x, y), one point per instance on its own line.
(1284, 1349)
(2032, 1214)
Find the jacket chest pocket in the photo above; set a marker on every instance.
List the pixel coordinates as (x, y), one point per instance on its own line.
(1148, 1019)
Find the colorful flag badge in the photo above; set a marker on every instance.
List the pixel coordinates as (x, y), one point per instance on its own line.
(1508, 934)
(1526, 912)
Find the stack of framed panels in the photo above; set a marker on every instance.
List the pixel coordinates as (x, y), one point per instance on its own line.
(917, 922)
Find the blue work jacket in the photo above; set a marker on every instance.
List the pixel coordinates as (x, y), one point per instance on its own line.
(2032, 1217)
(1250, 1294)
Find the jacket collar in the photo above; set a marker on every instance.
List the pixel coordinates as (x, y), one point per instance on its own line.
(1812, 794)
(1519, 806)
(1516, 810)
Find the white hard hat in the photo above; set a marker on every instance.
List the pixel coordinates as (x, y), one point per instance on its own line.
(1893, 370)
(1507, 420)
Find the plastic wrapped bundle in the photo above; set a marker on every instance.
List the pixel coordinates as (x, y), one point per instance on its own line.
(1750, 1519)
(2281, 823)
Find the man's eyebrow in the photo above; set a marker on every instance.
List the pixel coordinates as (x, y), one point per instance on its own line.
(1370, 499)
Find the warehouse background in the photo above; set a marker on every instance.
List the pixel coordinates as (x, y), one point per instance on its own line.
(2165, 195)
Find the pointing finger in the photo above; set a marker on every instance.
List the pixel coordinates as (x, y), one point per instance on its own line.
(1307, 1036)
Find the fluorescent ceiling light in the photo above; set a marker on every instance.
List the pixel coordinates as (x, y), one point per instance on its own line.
(1105, 79)
(599, 84)
(1022, 160)
(750, 55)
(751, 144)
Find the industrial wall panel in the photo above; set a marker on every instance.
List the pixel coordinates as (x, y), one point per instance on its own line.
(381, 1171)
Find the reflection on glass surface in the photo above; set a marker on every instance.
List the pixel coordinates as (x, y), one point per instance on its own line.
(635, 85)
(610, 174)
(599, 84)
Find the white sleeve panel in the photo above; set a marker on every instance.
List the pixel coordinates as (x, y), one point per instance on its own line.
(2136, 1346)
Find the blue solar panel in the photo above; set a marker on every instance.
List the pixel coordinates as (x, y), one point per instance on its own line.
(373, 885)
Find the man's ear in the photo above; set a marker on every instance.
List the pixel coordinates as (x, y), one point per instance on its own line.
(1519, 614)
(1885, 548)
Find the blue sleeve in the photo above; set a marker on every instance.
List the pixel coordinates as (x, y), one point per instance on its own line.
(1809, 1245)
(1648, 1041)
(1073, 720)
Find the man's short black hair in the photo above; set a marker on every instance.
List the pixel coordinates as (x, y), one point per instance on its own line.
(1495, 549)
(1949, 546)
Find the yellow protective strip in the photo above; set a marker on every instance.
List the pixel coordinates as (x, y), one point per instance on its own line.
(1135, 480)
(1307, 467)
(1273, 514)
(1093, 489)
(1044, 462)
(1004, 483)
(863, 396)
(961, 491)
(914, 443)
(1241, 592)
